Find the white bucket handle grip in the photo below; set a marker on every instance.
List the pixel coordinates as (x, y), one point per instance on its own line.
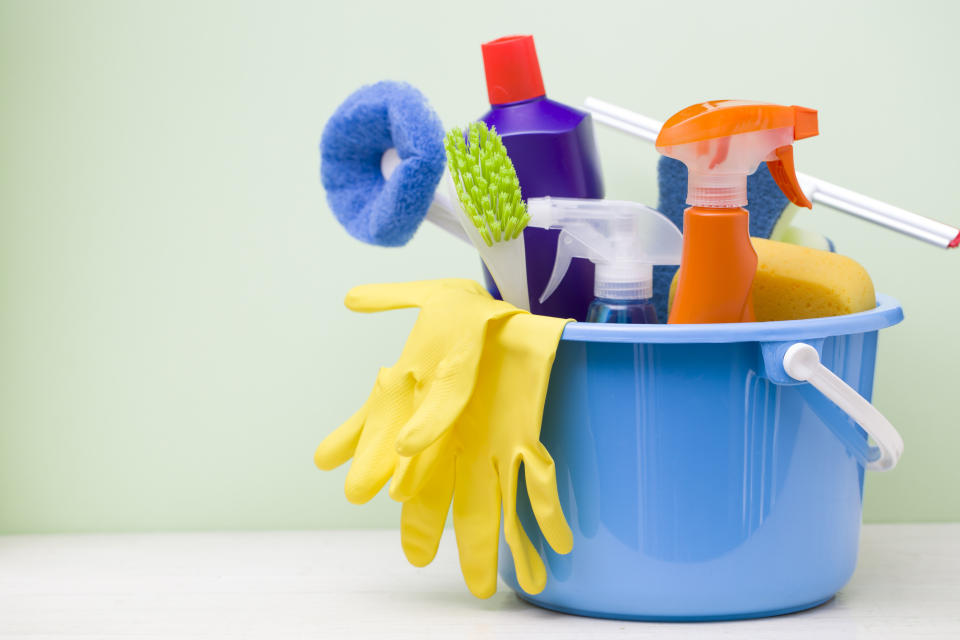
(802, 362)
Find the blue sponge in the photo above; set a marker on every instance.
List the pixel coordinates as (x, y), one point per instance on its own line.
(373, 119)
(766, 204)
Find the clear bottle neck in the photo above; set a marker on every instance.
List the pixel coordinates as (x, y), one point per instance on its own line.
(716, 190)
(623, 281)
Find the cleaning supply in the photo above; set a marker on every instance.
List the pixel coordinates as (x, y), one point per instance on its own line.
(722, 467)
(453, 419)
(771, 213)
(381, 159)
(429, 384)
(624, 240)
(721, 143)
(552, 147)
(494, 214)
(819, 191)
(498, 431)
(794, 283)
(768, 207)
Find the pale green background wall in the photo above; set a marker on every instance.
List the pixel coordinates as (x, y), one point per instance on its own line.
(172, 340)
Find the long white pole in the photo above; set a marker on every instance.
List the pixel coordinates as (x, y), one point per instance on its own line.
(856, 204)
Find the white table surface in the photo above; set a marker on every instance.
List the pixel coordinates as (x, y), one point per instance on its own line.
(356, 584)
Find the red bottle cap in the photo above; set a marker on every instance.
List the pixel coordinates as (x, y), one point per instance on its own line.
(513, 72)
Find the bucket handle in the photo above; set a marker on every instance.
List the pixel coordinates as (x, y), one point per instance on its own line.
(801, 362)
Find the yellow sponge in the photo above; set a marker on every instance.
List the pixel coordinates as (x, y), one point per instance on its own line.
(795, 282)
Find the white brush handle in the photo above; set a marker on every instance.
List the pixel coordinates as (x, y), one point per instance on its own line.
(506, 260)
(856, 204)
(442, 212)
(446, 214)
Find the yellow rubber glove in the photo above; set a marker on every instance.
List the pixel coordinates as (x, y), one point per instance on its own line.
(428, 387)
(477, 462)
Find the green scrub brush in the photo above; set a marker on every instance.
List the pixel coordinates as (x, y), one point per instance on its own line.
(486, 183)
(494, 214)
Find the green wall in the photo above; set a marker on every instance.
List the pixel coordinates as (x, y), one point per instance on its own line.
(172, 341)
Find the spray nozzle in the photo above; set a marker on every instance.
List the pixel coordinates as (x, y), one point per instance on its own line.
(724, 141)
(623, 239)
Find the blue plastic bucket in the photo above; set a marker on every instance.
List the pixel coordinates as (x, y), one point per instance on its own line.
(700, 480)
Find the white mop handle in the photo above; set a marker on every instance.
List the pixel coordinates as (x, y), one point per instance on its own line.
(881, 213)
(825, 193)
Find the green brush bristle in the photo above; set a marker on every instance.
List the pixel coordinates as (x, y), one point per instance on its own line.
(486, 183)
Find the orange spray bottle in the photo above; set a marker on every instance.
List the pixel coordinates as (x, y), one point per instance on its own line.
(722, 142)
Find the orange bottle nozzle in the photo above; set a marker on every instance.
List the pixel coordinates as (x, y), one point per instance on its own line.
(722, 142)
(805, 124)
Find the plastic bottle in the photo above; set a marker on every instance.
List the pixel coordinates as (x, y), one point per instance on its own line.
(611, 310)
(624, 240)
(722, 142)
(553, 150)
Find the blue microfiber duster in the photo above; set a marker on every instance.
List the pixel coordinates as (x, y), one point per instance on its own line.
(767, 204)
(375, 118)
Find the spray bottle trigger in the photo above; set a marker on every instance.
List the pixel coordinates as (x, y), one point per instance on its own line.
(565, 253)
(575, 241)
(785, 175)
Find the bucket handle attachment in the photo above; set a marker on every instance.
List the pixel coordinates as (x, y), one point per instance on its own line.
(801, 362)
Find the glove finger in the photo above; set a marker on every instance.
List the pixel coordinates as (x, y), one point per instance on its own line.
(541, 476)
(383, 297)
(372, 466)
(449, 393)
(340, 445)
(389, 406)
(476, 521)
(423, 516)
(401, 295)
(531, 574)
(412, 474)
(364, 482)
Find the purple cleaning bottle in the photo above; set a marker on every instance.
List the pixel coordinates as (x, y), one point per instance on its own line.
(553, 150)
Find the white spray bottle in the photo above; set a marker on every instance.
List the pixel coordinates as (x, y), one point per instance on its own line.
(623, 239)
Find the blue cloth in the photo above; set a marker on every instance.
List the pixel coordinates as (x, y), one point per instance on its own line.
(373, 119)
(765, 202)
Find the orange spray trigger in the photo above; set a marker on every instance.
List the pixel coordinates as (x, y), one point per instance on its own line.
(785, 176)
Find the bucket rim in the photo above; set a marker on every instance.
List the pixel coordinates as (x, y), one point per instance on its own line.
(887, 313)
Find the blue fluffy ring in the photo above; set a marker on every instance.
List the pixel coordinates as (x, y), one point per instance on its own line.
(374, 118)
